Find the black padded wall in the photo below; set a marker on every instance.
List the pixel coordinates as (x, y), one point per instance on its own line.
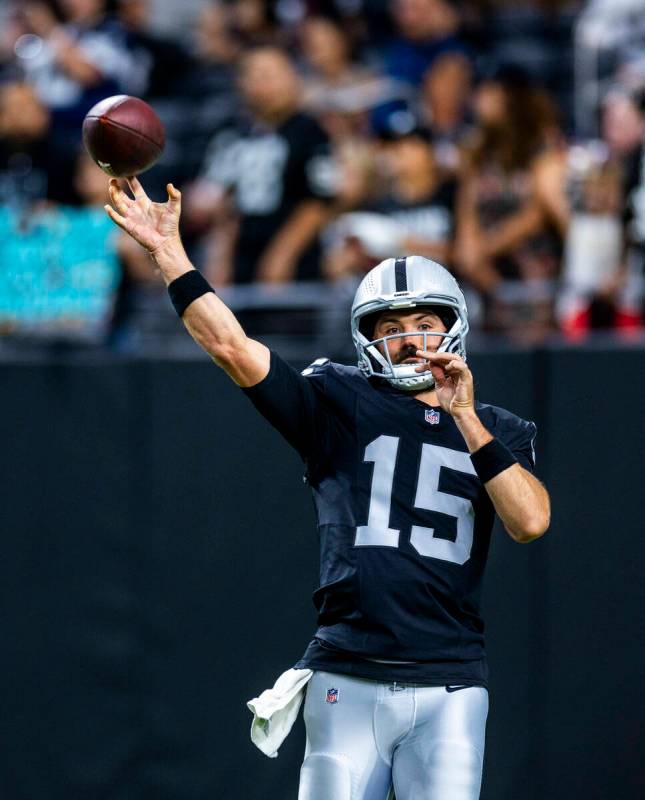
(159, 556)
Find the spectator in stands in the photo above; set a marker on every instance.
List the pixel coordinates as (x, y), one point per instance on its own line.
(506, 246)
(210, 84)
(79, 61)
(418, 198)
(443, 106)
(340, 91)
(334, 81)
(276, 171)
(254, 23)
(602, 277)
(33, 166)
(414, 215)
(198, 98)
(162, 62)
(428, 29)
(214, 42)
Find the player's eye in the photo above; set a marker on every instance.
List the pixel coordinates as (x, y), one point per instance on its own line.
(391, 331)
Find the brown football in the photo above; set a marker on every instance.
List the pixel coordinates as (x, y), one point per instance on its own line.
(123, 135)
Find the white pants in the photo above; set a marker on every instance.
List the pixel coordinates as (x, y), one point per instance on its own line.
(423, 742)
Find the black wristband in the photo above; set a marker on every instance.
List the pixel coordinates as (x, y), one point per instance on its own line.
(187, 288)
(491, 459)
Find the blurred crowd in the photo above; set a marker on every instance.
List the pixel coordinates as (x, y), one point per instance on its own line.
(313, 138)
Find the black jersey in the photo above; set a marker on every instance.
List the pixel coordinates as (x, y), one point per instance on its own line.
(430, 218)
(270, 172)
(404, 522)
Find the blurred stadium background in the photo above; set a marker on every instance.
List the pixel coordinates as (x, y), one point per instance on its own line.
(159, 554)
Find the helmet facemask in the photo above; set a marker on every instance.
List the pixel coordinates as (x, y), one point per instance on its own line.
(376, 360)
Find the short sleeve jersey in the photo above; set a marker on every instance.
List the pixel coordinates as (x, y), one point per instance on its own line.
(404, 522)
(270, 172)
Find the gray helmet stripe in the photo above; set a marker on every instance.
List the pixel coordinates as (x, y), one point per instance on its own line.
(400, 275)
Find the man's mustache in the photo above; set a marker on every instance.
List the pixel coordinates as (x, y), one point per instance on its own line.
(409, 351)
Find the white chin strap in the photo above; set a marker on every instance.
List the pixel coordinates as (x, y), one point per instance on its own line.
(418, 383)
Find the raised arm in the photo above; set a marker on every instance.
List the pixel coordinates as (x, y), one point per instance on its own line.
(155, 226)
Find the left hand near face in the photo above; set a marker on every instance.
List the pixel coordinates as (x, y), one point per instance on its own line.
(453, 381)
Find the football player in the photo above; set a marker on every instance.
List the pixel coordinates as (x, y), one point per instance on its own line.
(407, 472)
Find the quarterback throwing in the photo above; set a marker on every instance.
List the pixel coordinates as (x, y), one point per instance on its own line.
(408, 471)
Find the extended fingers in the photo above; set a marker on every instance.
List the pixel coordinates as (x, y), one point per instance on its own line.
(174, 199)
(431, 355)
(456, 365)
(136, 188)
(443, 365)
(174, 195)
(119, 198)
(434, 359)
(116, 217)
(457, 370)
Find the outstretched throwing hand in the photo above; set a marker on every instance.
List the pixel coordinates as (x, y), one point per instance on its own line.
(453, 381)
(151, 224)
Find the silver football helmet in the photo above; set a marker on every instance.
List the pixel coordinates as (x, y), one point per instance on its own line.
(401, 283)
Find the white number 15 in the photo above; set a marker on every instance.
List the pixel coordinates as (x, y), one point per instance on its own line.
(382, 452)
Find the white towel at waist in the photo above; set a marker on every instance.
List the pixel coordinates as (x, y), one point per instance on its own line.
(276, 709)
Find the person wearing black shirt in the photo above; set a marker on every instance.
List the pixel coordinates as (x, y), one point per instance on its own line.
(407, 472)
(276, 169)
(418, 198)
(416, 213)
(34, 165)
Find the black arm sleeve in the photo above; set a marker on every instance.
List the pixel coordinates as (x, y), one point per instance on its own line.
(291, 403)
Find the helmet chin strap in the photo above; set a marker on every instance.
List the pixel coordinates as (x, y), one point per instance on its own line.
(422, 383)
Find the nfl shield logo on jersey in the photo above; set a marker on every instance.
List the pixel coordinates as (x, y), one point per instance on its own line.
(432, 416)
(332, 695)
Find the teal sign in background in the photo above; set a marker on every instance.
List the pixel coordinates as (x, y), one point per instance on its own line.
(58, 268)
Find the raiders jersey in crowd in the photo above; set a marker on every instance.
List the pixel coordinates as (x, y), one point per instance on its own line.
(270, 172)
(430, 219)
(404, 522)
